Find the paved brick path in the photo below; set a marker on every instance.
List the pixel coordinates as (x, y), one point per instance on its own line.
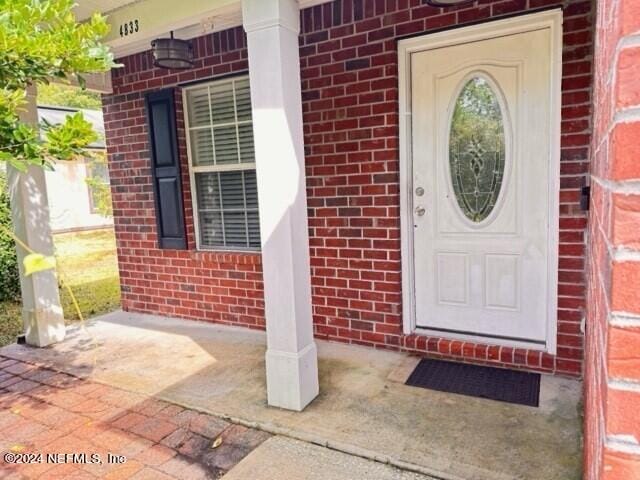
(43, 411)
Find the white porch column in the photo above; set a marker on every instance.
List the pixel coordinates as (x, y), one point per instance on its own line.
(272, 28)
(41, 310)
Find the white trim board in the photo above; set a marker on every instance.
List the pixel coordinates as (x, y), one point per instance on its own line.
(551, 19)
(187, 19)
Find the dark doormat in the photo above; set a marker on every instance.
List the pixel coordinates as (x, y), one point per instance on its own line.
(499, 384)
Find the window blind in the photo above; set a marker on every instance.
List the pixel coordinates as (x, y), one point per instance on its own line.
(222, 160)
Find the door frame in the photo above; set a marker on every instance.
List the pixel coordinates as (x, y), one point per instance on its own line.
(549, 19)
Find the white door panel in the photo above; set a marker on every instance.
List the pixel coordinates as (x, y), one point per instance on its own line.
(481, 152)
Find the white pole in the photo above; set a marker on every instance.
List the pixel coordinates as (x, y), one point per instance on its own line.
(41, 311)
(272, 28)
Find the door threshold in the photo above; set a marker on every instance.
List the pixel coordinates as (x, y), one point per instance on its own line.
(484, 339)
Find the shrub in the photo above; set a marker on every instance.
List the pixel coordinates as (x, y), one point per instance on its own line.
(9, 276)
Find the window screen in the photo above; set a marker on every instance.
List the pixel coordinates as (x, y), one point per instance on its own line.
(223, 176)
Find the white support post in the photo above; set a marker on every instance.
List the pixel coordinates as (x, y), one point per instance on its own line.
(41, 311)
(272, 28)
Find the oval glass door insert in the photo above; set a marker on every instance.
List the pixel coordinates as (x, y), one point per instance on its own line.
(477, 149)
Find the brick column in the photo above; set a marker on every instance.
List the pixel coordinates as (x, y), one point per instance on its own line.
(612, 380)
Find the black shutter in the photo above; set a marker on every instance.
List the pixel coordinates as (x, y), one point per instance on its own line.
(165, 168)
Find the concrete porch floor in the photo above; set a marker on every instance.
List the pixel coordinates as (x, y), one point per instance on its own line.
(362, 409)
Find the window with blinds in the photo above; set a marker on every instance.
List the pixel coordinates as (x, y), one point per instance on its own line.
(222, 164)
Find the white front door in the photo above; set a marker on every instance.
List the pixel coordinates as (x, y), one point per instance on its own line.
(483, 185)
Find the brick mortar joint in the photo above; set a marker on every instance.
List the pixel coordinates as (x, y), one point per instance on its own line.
(624, 319)
(626, 115)
(623, 43)
(622, 444)
(629, 41)
(624, 384)
(623, 254)
(624, 187)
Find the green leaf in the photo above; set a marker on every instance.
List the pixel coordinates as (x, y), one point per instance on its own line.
(41, 40)
(20, 166)
(36, 262)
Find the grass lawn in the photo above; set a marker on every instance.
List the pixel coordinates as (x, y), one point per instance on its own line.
(10, 322)
(87, 262)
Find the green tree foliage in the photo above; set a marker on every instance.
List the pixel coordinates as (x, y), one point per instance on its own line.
(98, 182)
(58, 95)
(9, 279)
(477, 114)
(41, 40)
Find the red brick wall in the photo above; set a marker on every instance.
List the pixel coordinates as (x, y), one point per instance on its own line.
(350, 103)
(215, 286)
(350, 93)
(612, 422)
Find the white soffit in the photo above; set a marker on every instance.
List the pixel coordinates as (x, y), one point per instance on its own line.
(85, 8)
(156, 18)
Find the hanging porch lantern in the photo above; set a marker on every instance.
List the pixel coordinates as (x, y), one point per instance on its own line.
(172, 53)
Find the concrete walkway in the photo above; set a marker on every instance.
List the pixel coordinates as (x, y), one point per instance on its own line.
(282, 458)
(361, 410)
(56, 426)
(53, 425)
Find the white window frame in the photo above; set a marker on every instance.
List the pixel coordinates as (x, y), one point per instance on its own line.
(193, 169)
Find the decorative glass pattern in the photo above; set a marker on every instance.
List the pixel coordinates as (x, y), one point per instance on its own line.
(477, 149)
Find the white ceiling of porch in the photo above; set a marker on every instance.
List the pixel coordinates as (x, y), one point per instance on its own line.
(85, 8)
(188, 18)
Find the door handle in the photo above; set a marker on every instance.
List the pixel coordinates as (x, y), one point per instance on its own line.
(420, 211)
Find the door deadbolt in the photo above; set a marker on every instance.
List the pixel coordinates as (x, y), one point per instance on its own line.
(420, 211)
(419, 191)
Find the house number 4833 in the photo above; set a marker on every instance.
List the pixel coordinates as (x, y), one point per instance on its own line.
(129, 28)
